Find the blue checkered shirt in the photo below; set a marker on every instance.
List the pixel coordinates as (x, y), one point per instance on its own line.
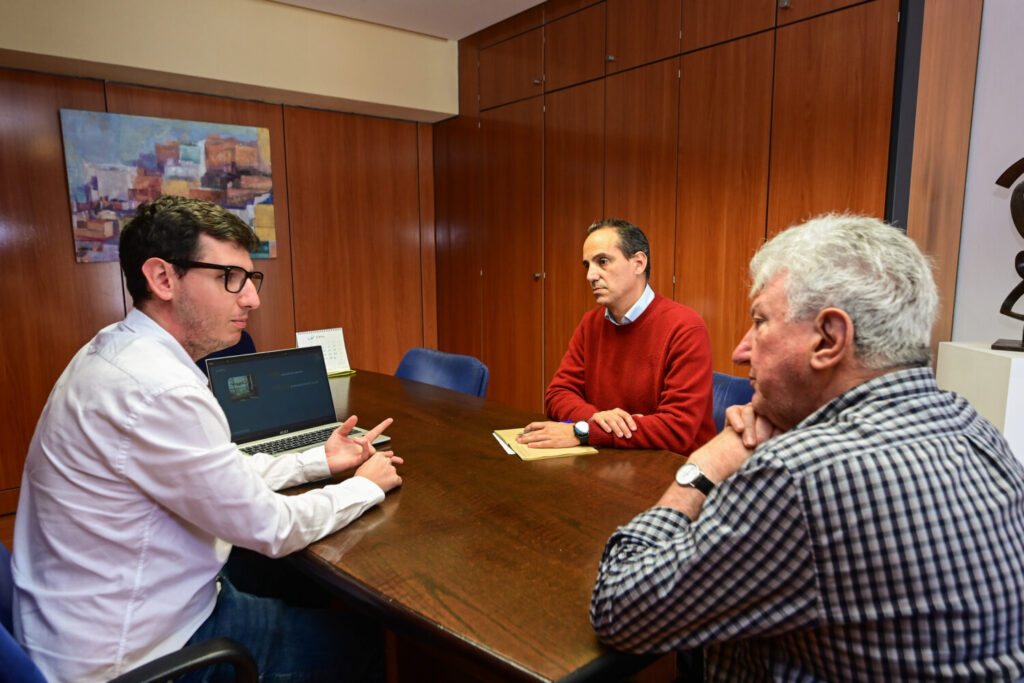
(882, 539)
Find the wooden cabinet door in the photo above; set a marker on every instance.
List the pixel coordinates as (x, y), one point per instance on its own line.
(511, 189)
(458, 235)
(795, 10)
(574, 48)
(556, 9)
(706, 22)
(512, 69)
(640, 32)
(573, 200)
(355, 235)
(832, 114)
(725, 102)
(641, 125)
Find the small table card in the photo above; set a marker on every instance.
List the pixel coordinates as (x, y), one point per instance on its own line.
(332, 341)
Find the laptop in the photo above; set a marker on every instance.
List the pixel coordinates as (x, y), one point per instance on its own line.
(277, 401)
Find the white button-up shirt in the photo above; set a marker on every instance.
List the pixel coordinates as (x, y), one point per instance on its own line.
(131, 499)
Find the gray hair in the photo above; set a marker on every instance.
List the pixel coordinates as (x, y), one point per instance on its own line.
(868, 269)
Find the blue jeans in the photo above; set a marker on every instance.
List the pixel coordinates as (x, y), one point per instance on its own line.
(292, 643)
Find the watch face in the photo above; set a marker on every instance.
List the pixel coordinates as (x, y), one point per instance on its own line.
(581, 428)
(687, 474)
(690, 475)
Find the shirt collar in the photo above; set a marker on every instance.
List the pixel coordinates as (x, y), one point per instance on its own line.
(888, 387)
(139, 322)
(637, 309)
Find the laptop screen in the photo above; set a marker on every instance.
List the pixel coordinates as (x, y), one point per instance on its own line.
(271, 393)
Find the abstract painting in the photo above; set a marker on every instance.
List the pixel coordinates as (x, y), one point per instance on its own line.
(116, 162)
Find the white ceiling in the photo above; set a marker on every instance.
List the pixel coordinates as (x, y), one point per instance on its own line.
(453, 19)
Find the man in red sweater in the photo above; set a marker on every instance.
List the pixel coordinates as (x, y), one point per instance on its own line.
(637, 373)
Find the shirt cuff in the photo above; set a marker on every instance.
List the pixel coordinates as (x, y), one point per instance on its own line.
(657, 524)
(364, 488)
(313, 464)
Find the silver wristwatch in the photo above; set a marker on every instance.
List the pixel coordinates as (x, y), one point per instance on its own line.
(690, 475)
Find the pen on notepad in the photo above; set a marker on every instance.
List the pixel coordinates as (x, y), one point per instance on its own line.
(503, 444)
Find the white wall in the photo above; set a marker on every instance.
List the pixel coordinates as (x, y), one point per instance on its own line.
(989, 240)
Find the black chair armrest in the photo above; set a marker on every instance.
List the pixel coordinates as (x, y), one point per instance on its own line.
(192, 657)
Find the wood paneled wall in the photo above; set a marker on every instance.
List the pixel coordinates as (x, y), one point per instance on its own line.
(573, 200)
(835, 116)
(942, 134)
(723, 144)
(354, 212)
(357, 252)
(457, 173)
(49, 304)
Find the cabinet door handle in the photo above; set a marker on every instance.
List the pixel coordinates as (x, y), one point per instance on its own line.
(784, 4)
(536, 81)
(536, 276)
(609, 58)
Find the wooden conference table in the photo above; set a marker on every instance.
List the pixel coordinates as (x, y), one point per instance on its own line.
(480, 552)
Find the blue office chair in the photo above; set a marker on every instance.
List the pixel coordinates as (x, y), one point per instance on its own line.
(448, 370)
(17, 667)
(727, 390)
(244, 345)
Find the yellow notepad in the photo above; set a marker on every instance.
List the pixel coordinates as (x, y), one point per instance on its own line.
(507, 437)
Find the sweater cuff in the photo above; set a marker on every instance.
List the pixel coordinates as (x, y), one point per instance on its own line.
(598, 437)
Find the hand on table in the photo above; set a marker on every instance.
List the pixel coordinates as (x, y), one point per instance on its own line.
(380, 469)
(548, 435)
(615, 420)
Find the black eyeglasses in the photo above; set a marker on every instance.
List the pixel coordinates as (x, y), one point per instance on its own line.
(234, 276)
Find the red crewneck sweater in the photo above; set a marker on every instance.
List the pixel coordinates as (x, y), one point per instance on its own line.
(658, 367)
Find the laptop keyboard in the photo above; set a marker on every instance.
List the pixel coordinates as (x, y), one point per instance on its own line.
(288, 443)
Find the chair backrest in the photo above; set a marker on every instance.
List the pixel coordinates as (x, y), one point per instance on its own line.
(6, 589)
(16, 663)
(448, 370)
(726, 391)
(244, 345)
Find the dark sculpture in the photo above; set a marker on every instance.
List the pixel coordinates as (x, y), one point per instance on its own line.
(1007, 179)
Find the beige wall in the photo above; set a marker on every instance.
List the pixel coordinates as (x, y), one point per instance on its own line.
(254, 49)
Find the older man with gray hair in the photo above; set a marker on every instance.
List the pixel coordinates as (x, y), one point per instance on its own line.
(853, 522)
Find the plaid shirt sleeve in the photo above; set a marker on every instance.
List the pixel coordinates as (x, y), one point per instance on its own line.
(744, 568)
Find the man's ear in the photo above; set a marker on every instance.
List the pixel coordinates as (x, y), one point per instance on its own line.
(639, 262)
(835, 338)
(161, 278)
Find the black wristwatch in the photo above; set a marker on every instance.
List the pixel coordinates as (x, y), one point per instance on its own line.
(581, 430)
(690, 475)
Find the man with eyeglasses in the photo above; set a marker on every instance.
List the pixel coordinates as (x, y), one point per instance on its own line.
(133, 494)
